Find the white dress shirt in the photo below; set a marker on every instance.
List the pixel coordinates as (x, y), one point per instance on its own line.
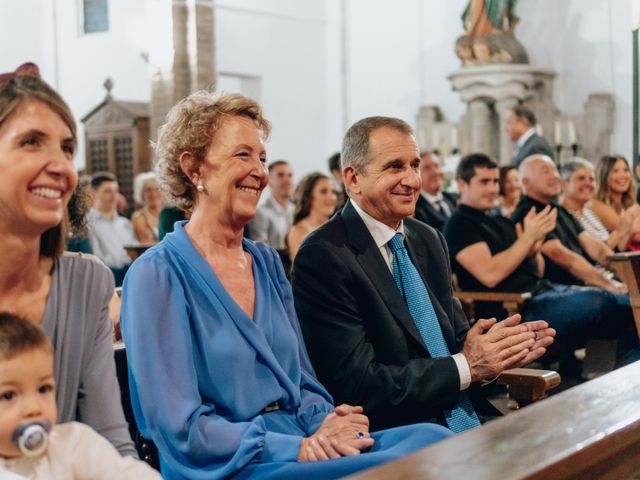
(437, 202)
(382, 234)
(109, 236)
(272, 223)
(523, 138)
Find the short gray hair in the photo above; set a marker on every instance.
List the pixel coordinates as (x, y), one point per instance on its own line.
(355, 145)
(139, 183)
(524, 167)
(572, 165)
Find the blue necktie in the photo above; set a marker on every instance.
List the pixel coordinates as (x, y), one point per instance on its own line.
(410, 283)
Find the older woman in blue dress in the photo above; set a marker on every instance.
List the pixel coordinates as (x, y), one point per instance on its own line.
(220, 378)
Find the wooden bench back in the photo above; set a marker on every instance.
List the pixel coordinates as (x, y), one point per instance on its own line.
(589, 432)
(627, 266)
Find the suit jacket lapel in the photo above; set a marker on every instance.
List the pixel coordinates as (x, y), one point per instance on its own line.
(450, 201)
(420, 255)
(437, 215)
(369, 257)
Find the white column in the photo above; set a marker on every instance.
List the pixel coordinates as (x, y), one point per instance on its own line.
(185, 63)
(480, 134)
(505, 144)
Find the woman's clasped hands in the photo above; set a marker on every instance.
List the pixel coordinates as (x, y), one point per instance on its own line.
(343, 432)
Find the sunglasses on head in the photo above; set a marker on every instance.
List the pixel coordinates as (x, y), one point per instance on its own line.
(25, 70)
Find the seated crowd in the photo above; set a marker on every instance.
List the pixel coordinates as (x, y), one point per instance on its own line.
(328, 341)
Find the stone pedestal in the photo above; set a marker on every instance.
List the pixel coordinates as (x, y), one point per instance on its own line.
(597, 126)
(481, 135)
(489, 92)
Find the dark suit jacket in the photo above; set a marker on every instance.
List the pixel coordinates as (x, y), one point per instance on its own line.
(425, 212)
(362, 339)
(534, 144)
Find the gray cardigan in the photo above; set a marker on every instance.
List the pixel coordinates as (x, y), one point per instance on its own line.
(76, 318)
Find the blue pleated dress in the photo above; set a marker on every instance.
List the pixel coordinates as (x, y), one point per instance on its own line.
(202, 371)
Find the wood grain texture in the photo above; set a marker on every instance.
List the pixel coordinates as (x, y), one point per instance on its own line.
(589, 432)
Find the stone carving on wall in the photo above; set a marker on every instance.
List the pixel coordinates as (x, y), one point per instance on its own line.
(482, 127)
(495, 77)
(489, 37)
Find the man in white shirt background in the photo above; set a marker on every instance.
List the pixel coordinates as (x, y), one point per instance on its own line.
(274, 217)
(108, 231)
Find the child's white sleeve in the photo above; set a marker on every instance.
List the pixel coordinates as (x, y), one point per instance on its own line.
(91, 456)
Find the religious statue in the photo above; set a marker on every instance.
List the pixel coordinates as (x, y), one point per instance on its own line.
(482, 17)
(489, 37)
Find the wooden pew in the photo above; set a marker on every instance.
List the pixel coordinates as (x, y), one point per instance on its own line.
(525, 385)
(602, 354)
(511, 302)
(626, 265)
(147, 450)
(591, 431)
(528, 385)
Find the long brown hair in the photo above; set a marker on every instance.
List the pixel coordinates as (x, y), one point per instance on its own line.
(603, 171)
(16, 88)
(502, 180)
(304, 195)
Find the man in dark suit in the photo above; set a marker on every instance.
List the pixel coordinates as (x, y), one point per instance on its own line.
(434, 206)
(405, 357)
(521, 128)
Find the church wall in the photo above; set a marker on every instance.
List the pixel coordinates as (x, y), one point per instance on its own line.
(280, 46)
(85, 61)
(400, 58)
(588, 44)
(289, 53)
(21, 43)
(82, 62)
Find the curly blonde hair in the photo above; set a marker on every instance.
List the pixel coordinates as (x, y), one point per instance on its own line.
(190, 127)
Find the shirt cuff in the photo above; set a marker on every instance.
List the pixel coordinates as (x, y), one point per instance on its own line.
(463, 370)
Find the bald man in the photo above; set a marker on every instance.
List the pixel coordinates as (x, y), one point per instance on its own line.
(491, 253)
(572, 253)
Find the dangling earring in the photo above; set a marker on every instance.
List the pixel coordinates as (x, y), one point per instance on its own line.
(200, 186)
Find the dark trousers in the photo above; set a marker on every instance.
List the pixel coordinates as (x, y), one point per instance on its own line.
(581, 313)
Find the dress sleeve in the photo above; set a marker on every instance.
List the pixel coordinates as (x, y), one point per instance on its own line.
(99, 403)
(316, 402)
(193, 438)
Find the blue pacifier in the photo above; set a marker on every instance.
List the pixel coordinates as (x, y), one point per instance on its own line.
(32, 438)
